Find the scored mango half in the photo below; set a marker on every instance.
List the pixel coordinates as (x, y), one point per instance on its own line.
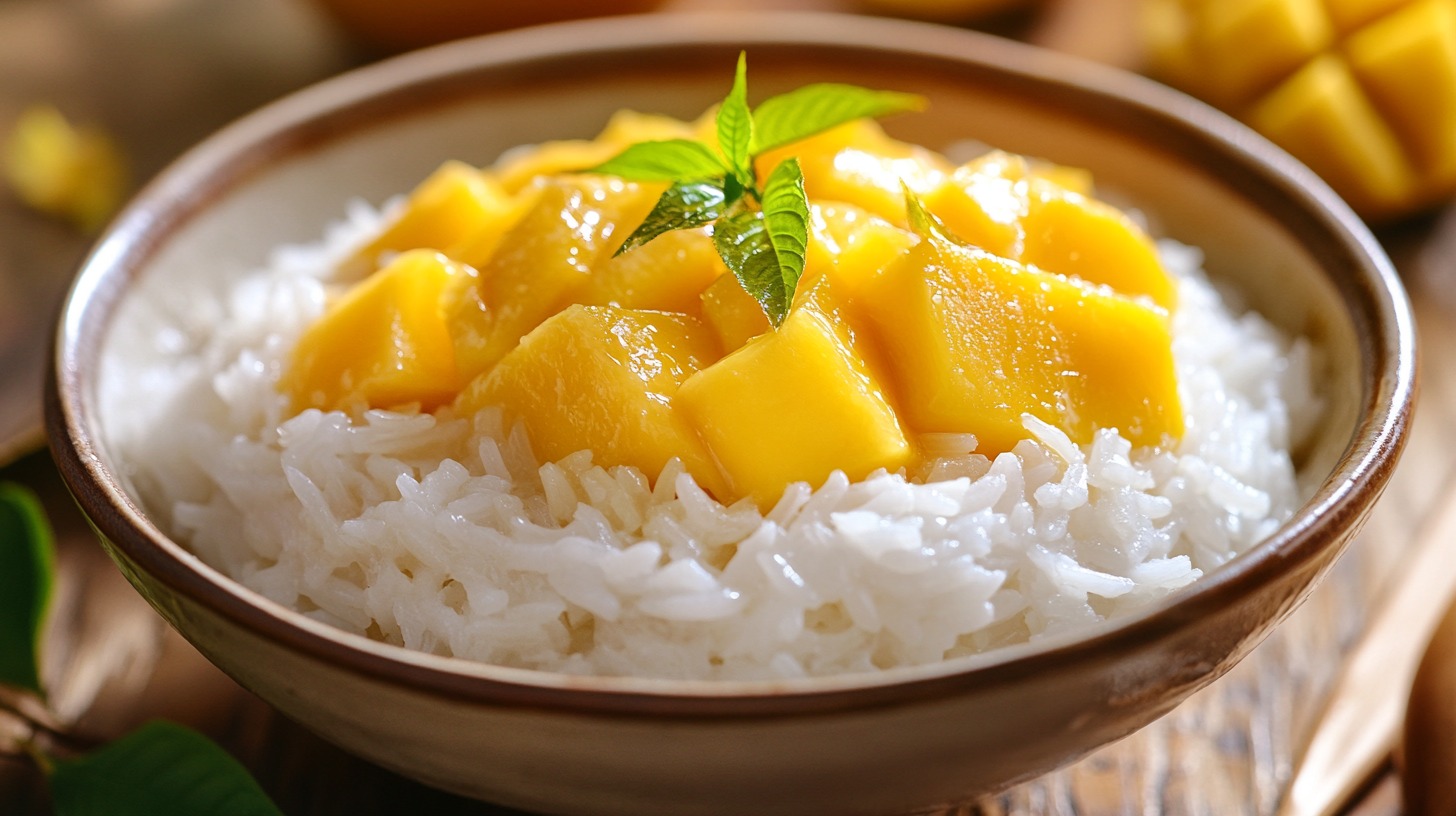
(503, 288)
(1362, 91)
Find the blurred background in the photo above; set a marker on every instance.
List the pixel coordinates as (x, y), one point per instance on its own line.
(118, 88)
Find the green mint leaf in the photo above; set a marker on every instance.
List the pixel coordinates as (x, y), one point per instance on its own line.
(27, 574)
(161, 769)
(668, 160)
(765, 249)
(786, 215)
(683, 206)
(735, 125)
(813, 109)
(923, 222)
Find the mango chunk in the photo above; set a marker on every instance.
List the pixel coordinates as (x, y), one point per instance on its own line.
(384, 344)
(983, 203)
(974, 340)
(517, 170)
(542, 264)
(733, 314)
(858, 164)
(667, 274)
(604, 379)
(856, 243)
(1006, 206)
(793, 405)
(449, 206)
(1073, 235)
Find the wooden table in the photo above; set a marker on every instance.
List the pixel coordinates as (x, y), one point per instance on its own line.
(161, 74)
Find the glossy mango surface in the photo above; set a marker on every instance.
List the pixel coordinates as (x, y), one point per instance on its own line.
(605, 379)
(793, 405)
(975, 340)
(1037, 298)
(384, 343)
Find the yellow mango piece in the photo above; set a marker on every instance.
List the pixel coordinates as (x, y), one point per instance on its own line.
(858, 164)
(1250, 44)
(450, 205)
(1008, 207)
(793, 405)
(852, 244)
(517, 169)
(542, 265)
(477, 247)
(604, 379)
(1387, 56)
(1081, 237)
(383, 344)
(983, 203)
(667, 273)
(733, 314)
(1071, 179)
(974, 341)
(1321, 116)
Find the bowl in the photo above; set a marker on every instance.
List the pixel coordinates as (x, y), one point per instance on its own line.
(880, 743)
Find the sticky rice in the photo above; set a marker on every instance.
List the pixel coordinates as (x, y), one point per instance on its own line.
(445, 534)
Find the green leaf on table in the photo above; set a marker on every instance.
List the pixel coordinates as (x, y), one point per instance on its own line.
(735, 125)
(682, 206)
(27, 575)
(765, 249)
(666, 160)
(812, 109)
(161, 769)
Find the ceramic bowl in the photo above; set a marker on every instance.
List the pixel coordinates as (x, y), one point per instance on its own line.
(872, 744)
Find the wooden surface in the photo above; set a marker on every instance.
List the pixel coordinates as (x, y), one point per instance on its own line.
(162, 73)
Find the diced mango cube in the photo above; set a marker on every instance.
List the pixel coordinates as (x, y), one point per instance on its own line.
(793, 405)
(667, 274)
(518, 170)
(858, 164)
(1070, 234)
(604, 379)
(975, 340)
(856, 243)
(450, 205)
(384, 344)
(983, 202)
(733, 314)
(542, 265)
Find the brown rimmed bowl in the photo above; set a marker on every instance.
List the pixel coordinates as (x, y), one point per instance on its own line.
(867, 744)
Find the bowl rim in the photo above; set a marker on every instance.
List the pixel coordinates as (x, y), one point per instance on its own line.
(350, 100)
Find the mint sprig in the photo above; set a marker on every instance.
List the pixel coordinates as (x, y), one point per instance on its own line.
(161, 769)
(27, 575)
(761, 233)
